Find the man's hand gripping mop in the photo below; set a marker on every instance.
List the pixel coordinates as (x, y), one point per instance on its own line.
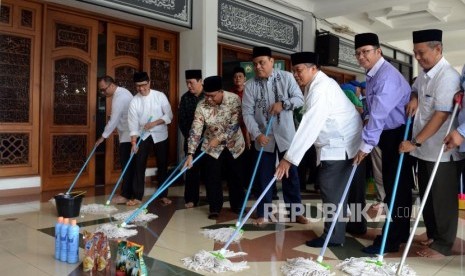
(105, 209)
(376, 266)
(217, 261)
(401, 267)
(303, 266)
(123, 230)
(223, 234)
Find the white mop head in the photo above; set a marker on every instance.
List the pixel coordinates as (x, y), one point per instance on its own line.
(304, 267)
(112, 231)
(208, 262)
(222, 234)
(98, 209)
(367, 267)
(143, 216)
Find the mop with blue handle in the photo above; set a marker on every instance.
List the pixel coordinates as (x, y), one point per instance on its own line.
(302, 266)
(217, 261)
(376, 266)
(145, 216)
(401, 267)
(95, 208)
(223, 234)
(127, 165)
(121, 230)
(67, 194)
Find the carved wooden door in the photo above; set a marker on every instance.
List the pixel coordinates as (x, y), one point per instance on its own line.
(160, 61)
(69, 99)
(123, 56)
(20, 39)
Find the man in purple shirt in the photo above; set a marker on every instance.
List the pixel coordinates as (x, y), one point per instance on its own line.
(387, 94)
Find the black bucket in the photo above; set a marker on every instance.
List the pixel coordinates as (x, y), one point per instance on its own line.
(68, 206)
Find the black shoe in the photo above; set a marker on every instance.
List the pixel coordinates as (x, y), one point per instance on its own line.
(375, 249)
(318, 242)
(213, 216)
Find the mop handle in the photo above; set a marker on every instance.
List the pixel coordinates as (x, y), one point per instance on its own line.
(254, 173)
(238, 229)
(157, 193)
(393, 195)
(172, 173)
(335, 218)
(82, 169)
(127, 165)
(426, 194)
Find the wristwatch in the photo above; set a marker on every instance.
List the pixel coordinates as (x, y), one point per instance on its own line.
(285, 105)
(415, 143)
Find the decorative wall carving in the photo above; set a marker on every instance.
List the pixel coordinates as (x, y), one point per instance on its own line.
(27, 18)
(69, 153)
(15, 59)
(177, 12)
(347, 58)
(72, 36)
(14, 149)
(124, 77)
(127, 46)
(160, 75)
(5, 14)
(258, 25)
(70, 92)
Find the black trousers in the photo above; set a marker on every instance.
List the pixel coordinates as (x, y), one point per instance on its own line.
(128, 178)
(213, 181)
(441, 208)
(399, 227)
(308, 164)
(161, 156)
(192, 179)
(357, 192)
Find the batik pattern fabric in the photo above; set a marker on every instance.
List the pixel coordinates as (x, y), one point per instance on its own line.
(221, 122)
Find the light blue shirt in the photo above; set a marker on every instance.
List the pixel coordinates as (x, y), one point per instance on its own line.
(259, 95)
(387, 94)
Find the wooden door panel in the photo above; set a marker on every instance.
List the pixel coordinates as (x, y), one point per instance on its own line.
(160, 61)
(69, 99)
(123, 55)
(20, 39)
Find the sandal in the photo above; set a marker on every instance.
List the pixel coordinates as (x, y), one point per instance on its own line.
(133, 202)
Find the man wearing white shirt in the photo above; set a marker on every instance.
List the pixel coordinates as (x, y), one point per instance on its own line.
(119, 120)
(433, 95)
(331, 122)
(149, 104)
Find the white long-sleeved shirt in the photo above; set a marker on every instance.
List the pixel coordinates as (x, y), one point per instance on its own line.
(154, 105)
(119, 115)
(330, 121)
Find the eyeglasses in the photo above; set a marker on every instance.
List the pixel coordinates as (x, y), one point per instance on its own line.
(364, 52)
(104, 90)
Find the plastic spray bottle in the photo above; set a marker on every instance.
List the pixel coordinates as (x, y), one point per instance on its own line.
(57, 237)
(73, 243)
(64, 240)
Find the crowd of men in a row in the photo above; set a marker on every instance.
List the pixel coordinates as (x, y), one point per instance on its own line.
(227, 126)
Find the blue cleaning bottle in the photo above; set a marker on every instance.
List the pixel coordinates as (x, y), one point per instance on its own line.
(64, 240)
(73, 243)
(57, 237)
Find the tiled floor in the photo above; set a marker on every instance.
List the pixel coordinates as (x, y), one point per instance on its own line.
(27, 243)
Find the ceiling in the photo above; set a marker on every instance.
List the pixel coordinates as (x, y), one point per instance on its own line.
(395, 20)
